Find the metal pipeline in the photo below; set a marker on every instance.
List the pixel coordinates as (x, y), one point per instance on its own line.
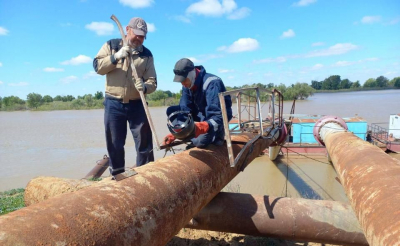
(146, 209)
(281, 217)
(99, 169)
(370, 177)
(42, 188)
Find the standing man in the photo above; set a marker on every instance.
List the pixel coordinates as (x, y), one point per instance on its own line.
(122, 102)
(200, 97)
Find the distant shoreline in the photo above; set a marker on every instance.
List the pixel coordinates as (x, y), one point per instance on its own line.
(98, 104)
(357, 89)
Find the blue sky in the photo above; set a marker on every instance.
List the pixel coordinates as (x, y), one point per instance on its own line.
(47, 47)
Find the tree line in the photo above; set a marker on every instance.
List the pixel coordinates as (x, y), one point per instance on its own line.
(46, 102)
(334, 82)
(298, 91)
(35, 101)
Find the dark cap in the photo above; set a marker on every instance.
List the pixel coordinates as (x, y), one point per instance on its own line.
(182, 68)
(138, 26)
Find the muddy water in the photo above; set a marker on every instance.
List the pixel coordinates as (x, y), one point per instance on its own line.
(310, 177)
(68, 143)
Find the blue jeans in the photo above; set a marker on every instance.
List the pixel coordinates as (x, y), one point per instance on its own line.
(116, 116)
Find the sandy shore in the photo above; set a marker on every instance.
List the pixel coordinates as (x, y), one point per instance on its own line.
(191, 237)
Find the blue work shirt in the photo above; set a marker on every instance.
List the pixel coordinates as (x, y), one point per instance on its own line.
(203, 101)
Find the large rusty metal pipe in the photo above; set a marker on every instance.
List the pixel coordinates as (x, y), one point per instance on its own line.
(146, 209)
(371, 179)
(281, 217)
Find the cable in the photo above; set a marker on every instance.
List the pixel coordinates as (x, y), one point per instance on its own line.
(287, 149)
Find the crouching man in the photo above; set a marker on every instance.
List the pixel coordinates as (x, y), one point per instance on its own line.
(199, 103)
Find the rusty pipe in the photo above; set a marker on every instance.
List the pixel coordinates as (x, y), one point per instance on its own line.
(42, 188)
(281, 217)
(326, 221)
(370, 178)
(99, 169)
(146, 209)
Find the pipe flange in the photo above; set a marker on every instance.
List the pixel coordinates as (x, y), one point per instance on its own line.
(324, 120)
(282, 136)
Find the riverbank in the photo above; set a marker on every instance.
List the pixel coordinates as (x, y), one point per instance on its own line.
(79, 104)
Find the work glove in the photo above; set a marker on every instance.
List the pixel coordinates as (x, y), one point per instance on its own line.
(122, 53)
(139, 84)
(200, 128)
(168, 139)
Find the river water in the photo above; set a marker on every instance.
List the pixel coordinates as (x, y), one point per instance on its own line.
(67, 144)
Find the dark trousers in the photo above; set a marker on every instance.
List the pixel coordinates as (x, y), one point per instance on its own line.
(116, 116)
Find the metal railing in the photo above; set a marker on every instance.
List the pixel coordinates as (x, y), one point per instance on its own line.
(378, 132)
(273, 121)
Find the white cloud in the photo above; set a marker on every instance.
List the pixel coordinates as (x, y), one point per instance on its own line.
(394, 21)
(241, 45)
(317, 66)
(1, 64)
(348, 63)
(81, 59)
(216, 8)
(303, 3)
(212, 7)
(194, 60)
(392, 73)
(1, 82)
(151, 27)
(53, 69)
(18, 84)
(370, 19)
(205, 57)
(239, 14)
(336, 49)
(182, 18)
(221, 70)
(231, 77)
(288, 34)
(318, 44)
(279, 59)
(101, 28)
(3, 31)
(68, 79)
(222, 48)
(136, 4)
(343, 64)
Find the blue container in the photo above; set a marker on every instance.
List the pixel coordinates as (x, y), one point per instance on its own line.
(303, 131)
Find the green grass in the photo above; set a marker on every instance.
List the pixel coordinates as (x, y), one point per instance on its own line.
(95, 179)
(11, 200)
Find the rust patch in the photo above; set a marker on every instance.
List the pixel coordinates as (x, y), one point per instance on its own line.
(371, 180)
(128, 211)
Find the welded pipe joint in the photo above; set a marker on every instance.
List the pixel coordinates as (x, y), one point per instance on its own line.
(335, 123)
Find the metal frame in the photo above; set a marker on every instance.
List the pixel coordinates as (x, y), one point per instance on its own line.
(275, 120)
